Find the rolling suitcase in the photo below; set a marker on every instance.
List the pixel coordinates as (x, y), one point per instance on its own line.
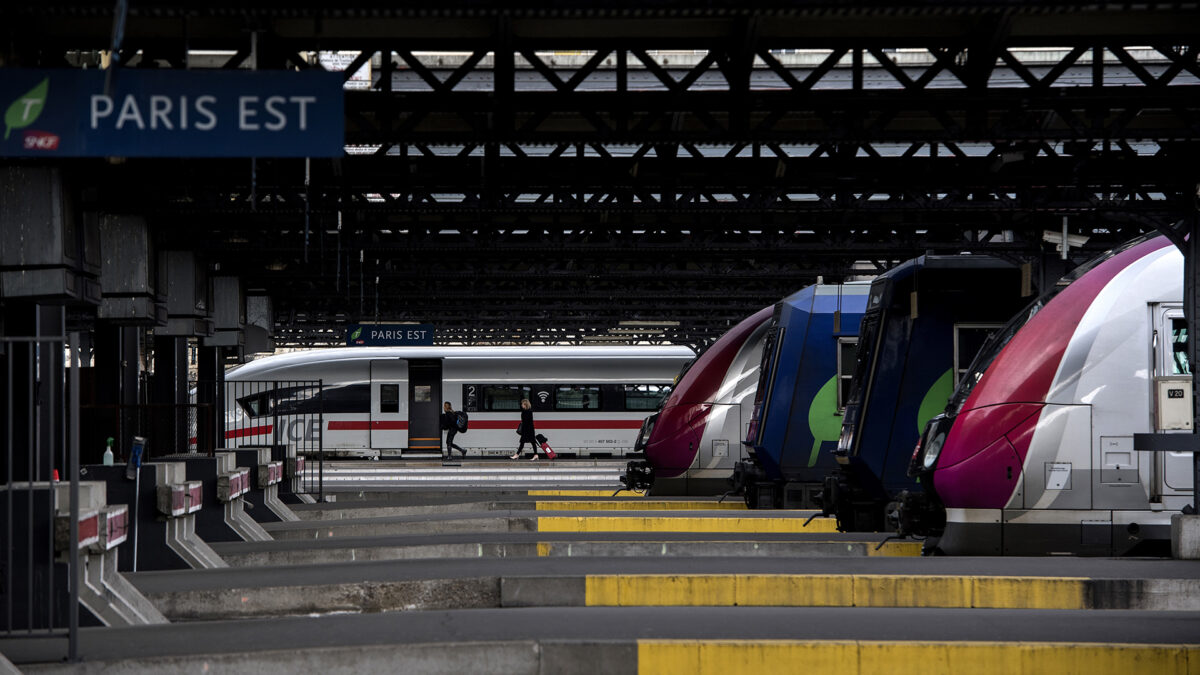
(550, 454)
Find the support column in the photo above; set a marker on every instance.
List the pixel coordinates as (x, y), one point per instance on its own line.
(1191, 310)
(170, 396)
(210, 395)
(116, 354)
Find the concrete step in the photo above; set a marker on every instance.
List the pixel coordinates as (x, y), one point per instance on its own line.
(576, 640)
(236, 555)
(381, 509)
(567, 581)
(743, 522)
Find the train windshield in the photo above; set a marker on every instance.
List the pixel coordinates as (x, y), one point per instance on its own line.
(992, 347)
(765, 377)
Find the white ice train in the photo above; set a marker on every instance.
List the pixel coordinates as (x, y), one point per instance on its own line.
(386, 401)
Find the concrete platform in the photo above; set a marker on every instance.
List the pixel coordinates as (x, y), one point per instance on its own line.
(523, 544)
(567, 581)
(383, 509)
(632, 640)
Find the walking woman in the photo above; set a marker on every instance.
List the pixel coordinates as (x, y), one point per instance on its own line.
(450, 426)
(527, 431)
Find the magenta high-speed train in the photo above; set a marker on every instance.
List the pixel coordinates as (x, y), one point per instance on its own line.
(1034, 454)
(693, 441)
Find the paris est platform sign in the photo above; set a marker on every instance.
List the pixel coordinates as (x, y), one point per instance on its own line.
(171, 113)
(389, 335)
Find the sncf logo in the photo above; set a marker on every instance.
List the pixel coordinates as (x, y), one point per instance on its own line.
(40, 140)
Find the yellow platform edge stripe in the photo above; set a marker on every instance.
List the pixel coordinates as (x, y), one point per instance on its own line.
(836, 590)
(584, 493)
(861, 657)
(730, 524)
(890, 549)
(641, 504)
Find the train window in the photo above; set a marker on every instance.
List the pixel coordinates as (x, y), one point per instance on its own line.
(351, 398)
(968, 340)
(503, 397)
(1179, 347)
(389, 398)
(257, 405)
(577, 397)
(847, 357)
(645, 396)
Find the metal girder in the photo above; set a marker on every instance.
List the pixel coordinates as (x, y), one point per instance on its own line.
(303, 24)
(722, 97)
(518, 193)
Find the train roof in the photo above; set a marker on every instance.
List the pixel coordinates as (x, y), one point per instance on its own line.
(342, 354)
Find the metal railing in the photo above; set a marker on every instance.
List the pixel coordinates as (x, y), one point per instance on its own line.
(286, 415)
(41, 431)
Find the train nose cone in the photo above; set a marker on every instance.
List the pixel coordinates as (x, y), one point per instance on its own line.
(675, 439)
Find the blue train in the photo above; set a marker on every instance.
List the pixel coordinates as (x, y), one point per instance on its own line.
(804, 380)
(925, 321)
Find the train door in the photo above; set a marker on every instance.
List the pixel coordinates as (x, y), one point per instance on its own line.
(425, 405)
(389, 407)
(1173, 469)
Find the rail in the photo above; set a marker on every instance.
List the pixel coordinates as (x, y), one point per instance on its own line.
(41, 430)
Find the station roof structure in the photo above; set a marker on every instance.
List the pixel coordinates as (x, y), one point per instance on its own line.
(653, 171)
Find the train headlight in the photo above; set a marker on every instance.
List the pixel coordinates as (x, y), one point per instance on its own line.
(925, 456)
(933, 450)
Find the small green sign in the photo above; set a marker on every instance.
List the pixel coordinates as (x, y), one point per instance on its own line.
(25, 110)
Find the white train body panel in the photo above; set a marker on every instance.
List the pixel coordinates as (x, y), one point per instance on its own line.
(721, 442)
(1103, 393)
(587, 400)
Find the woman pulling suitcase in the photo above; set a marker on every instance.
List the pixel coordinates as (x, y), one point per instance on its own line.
(526, 430)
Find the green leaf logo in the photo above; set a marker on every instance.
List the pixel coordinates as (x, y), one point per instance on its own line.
(26, 108)
(356, 333)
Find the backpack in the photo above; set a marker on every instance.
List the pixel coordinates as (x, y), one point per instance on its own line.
(460, 419)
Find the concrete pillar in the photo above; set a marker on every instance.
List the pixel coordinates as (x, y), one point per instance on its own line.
(210, 395)
(1185, 537)
(117, 366)
(170, 396)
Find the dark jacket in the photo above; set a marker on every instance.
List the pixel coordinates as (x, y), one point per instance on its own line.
(527, 430)
(449, 421)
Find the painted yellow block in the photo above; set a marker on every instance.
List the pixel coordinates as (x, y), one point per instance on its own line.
(719, 590)
(639, 505)
(718, 657)
(845, 657)
(896, 549)
(733, 524)
(832, 590)
(879, 590)
(794, 590)
(659, 590)
(584, 493)
(1031, 593)
(543, 549)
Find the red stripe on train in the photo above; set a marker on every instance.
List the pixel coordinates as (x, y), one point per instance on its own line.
(363, 425)
(558, 424)
(248, 431)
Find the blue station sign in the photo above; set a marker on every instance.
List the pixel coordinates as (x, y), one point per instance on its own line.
(389, 335)
(171, 113)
